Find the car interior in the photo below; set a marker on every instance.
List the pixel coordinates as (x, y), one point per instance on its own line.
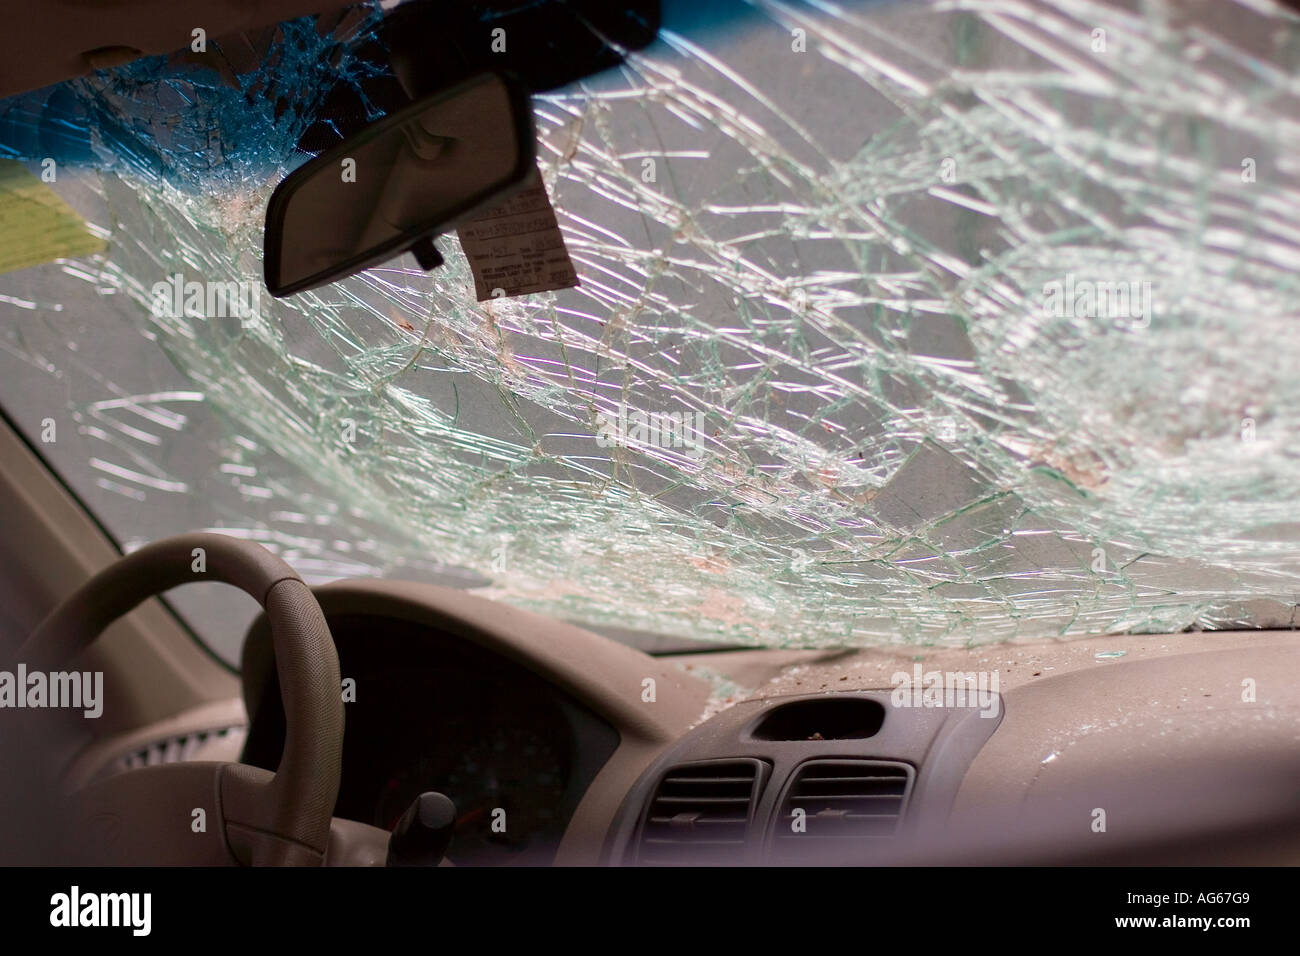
(717, 491)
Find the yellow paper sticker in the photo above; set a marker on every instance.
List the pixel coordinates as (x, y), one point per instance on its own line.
(37, 226)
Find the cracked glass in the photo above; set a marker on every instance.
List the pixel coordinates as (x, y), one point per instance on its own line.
(937, 322)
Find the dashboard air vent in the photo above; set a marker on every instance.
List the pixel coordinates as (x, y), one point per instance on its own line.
(841, 805)
(701, 813)
(177, 749)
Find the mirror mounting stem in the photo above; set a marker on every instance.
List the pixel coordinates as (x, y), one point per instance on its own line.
(427, 254)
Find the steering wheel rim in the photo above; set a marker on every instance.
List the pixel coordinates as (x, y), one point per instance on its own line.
(260, 818)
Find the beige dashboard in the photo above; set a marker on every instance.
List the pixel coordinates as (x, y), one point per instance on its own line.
(1168, 734)
(1165, 734)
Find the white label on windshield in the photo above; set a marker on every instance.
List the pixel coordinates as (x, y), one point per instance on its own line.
(516, 248)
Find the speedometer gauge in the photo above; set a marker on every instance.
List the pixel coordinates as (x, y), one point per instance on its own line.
(435, 712)
(508, 790)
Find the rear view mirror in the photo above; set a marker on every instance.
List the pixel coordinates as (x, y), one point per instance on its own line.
(398, 183)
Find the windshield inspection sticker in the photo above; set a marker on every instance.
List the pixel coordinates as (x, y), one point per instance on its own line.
(516, 248)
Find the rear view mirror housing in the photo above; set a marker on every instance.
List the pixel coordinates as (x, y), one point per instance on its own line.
(397, 183)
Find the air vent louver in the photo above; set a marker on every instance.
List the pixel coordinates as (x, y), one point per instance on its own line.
(177, 749)
(848, 806)
(701, 813)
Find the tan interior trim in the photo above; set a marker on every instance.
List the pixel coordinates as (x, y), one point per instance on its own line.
(153, 668)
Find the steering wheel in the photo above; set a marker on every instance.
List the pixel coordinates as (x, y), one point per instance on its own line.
(248, 815)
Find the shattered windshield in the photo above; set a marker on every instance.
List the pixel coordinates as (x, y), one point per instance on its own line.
(933, 322)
